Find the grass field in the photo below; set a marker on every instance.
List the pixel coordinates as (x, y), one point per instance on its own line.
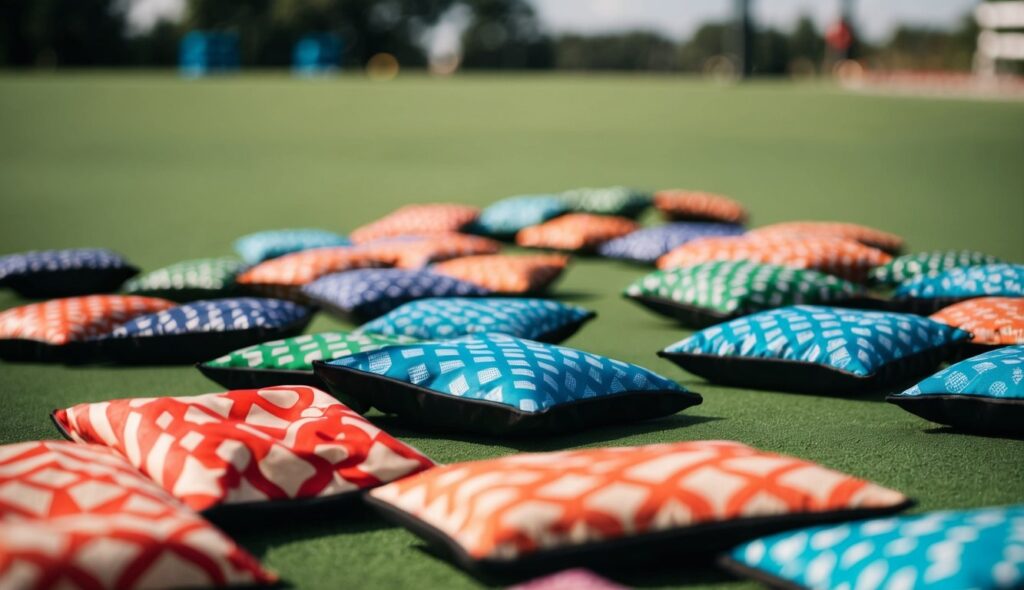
(164, 170)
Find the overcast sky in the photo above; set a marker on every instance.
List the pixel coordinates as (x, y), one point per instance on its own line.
(679, 18)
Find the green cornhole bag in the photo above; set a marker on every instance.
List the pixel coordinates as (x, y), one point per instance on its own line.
(613, 200)
(190, 280)
(930, 264)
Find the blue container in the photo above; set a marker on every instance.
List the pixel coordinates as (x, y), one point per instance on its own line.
(206, 52)
(316, 55)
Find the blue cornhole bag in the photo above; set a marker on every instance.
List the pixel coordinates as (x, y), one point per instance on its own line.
(451, 317)
(43, 274)
(367, 293)
(650, 243)
(982, 549)
(202, 330)
(499, 384)
(927, 294)
(983, 394)
(264, 245)
(506, 217)
(817, 349)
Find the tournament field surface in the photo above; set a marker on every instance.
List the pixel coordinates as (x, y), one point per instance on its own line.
(164, 170)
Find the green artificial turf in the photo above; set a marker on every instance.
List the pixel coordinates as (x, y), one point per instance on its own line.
(163, 169)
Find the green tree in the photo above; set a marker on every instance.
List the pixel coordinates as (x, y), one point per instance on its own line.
(62, 32)
(504, 34)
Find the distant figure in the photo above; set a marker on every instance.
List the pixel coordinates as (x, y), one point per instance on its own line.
(208, 52)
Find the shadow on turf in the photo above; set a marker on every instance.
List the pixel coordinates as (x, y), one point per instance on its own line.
(947, 430)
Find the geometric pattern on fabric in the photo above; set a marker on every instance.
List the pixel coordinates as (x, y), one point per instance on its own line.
(853, 341)
(994, 280)
(650, 243)
(300, 268)
(247, 445)
(931, 263)
(510, 507)
(299, 352)
(208, 274)
(415, 252)
(991, 320)
(215, 315)
(950, 550)
(257, 247)
(512, 214)
(997, 373)
(730, 287)
(844, 258)
(698, 205)
(868, 236)
(526, 375)
(575, 231)
(372, 292)
(611, 200)
(417, 220)
(502, 273)
(80, 516)
(43, 261)
(452, 317)
(73, 319)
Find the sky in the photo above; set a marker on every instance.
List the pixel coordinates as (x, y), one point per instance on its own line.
(875, 19)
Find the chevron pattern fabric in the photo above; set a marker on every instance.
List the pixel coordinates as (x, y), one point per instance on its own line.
(612, 200)
(502, 273)
(909, 266)
(852, 341)
(370, 293)
(575, 232)
(512, 214)
(299, 352)
(216, 275)
(74, 319)
(952, 550)
(264, 245)
(451, 317)
(650, 243)
(243, 446)
(294, 270)
(998, 373)
(414, 252)
(80, 516)
(216, 315)
(41, 261)
(417, 220)
(868, 236)
(844, 258)
(509, 508)
(987, 280)
(733, 287)
(528, 376)
(699, 206)
(996, 321)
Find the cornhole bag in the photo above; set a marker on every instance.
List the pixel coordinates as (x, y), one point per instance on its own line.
(290, 361)
(365, 294)
(712, 292)
(202, 330)
(868, 236)
(686, 205)
(575, 232)
(80, 516)
(909, 266)
(417, 220)
(284, 277)
(992, 321)
(498, 384)
(506, 217)
(813, 349)
(983, 394)
(189, 280)
(571, 579)
(264, 245)
(925, 294)
(613, 200)
(251, 446)
(416, 252)
(606, 506)
(979, 549)
(501, 273)
(444, 318)
(648, 244)
(41, 274)
(58, 329)
(843, 258)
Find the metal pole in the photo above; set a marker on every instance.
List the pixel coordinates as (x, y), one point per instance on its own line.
(744, 39)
